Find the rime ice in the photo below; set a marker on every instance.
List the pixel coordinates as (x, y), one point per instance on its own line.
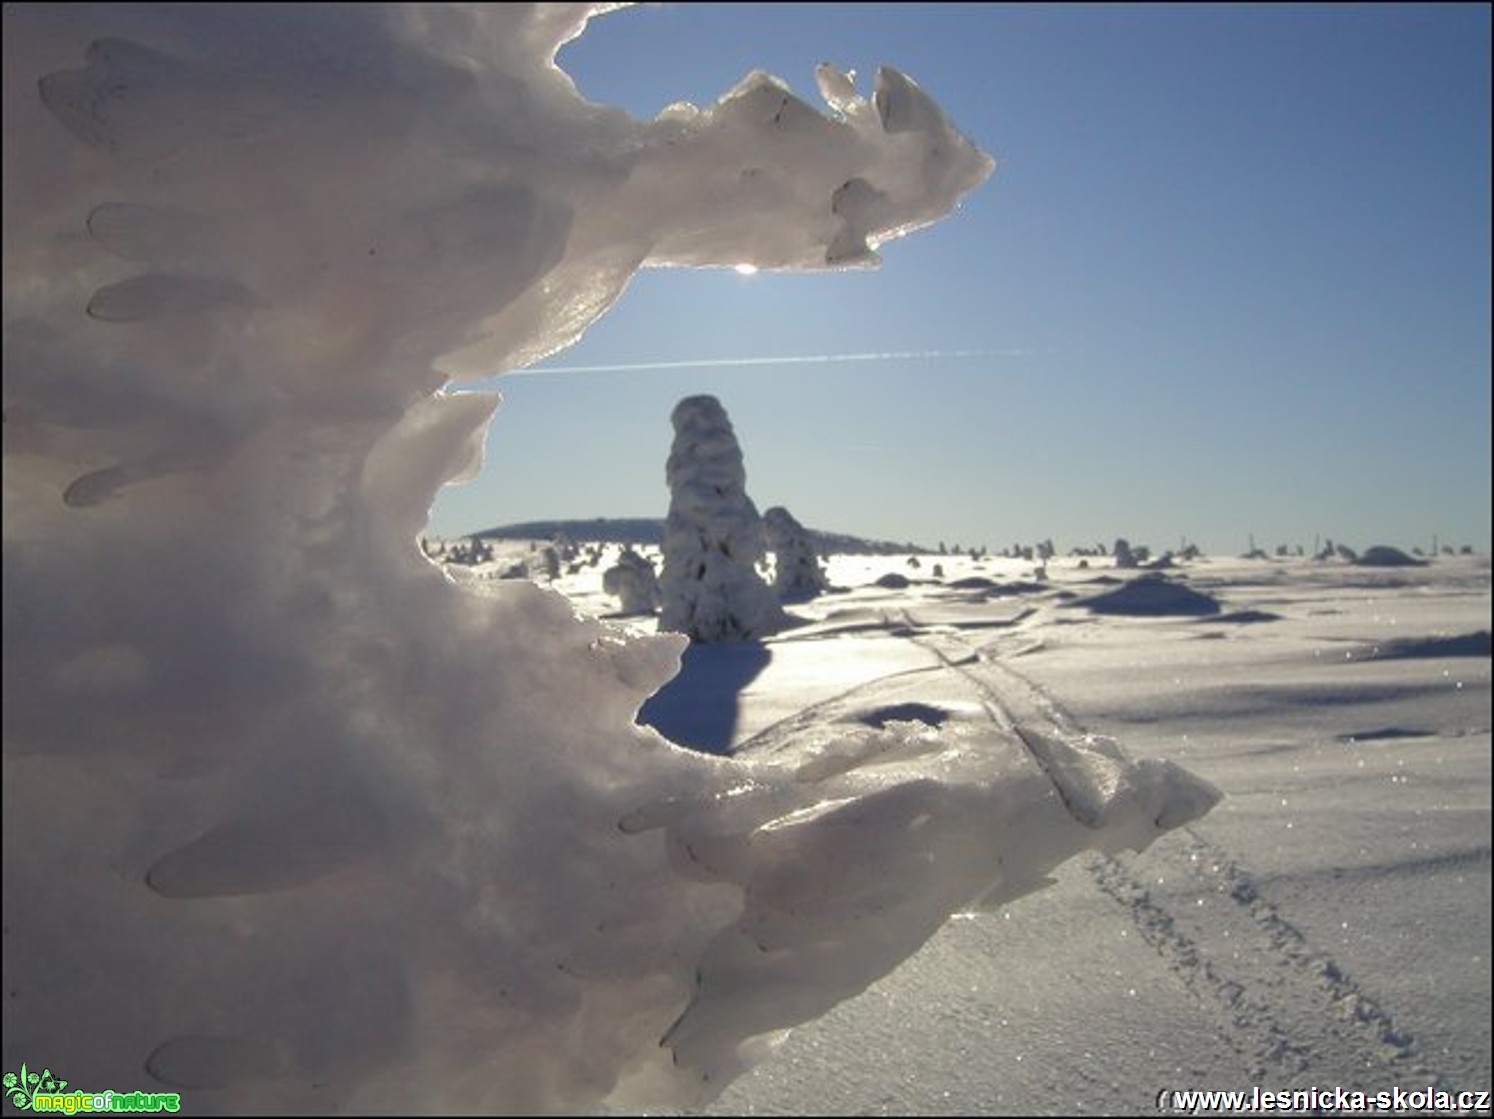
(796, 568)
(713, 536)
(633, 581)
(318, 828)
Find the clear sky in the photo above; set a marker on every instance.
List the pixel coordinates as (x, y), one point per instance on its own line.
(1231, 276)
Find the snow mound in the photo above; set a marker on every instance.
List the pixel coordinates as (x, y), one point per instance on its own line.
(1152, 596)
(1383, 555)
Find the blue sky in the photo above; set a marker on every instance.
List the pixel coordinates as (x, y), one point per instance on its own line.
(1231, 276)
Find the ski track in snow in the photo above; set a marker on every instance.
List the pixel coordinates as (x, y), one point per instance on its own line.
(1294, 1015)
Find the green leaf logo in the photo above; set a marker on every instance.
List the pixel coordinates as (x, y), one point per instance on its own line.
(23, 1086)
(20, 1087)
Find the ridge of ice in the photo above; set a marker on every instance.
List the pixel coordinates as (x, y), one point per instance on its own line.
(290, 820)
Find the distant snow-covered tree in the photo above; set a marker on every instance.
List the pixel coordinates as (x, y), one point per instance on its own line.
(797, 573)
(633, 580)
(713, 536)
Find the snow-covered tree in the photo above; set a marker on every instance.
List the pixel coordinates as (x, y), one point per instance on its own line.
(713, 536)
(797, 573)
(633, 580)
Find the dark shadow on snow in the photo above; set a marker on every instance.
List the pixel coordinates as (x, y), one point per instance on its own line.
(910, 712)
(1406, 648)
(1247, 617)
(699, 708)
(1384, 733)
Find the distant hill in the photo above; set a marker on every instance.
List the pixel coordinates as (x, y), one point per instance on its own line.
(601, 530)
(650, 530)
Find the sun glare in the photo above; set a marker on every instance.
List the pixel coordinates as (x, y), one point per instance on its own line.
(746, 269)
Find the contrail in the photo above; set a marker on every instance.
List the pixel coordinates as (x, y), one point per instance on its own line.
(799, 359)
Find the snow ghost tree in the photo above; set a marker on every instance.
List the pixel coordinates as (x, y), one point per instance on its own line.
(634, 582)
(713, 536)
(796, 573)
(293, 823)
(549, 558)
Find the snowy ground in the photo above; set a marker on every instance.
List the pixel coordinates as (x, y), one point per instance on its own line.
(1327, 925)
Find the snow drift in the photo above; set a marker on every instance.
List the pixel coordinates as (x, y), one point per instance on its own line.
(293, 823)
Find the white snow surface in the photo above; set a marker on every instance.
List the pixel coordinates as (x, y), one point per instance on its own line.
(295, 823)
(1326, 925)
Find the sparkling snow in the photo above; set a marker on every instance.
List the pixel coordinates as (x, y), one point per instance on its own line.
(296, 821)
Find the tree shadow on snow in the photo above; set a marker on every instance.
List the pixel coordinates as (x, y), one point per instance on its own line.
(699, 708)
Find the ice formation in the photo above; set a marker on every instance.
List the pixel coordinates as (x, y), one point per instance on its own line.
(713, 536)
(797, 573)
(293, 823)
